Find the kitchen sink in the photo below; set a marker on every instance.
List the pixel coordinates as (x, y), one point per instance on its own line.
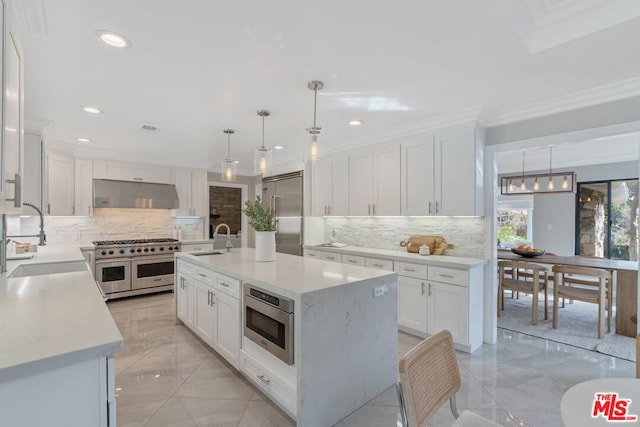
(206, 253)
(25, 270)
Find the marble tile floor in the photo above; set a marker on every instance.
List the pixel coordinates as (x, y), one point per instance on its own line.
(166, 376)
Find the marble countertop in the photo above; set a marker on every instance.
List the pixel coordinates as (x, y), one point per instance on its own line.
(290, 275)
(403, 256)
(53, 320)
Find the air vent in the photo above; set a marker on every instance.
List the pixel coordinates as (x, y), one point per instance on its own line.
(148, 128)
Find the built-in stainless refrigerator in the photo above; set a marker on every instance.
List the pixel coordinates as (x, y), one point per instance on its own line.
(284, 194)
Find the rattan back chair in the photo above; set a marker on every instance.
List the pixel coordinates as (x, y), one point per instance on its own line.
(429, 377)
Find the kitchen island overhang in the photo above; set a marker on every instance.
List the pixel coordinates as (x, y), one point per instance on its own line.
(345, 328)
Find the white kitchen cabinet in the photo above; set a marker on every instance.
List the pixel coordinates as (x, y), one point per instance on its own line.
(12, 156)
(442, 172)
(32, 179)
(353, 260)
(83, 187)
(331, 256)
(60, 188)
(121, 171)
(381, 264)
(204, 318)
(330, 193)
(227, 328)
(374, 180)
(312, 253)
(185, 288)
(192, 192)
(447, 308)
(412, 303)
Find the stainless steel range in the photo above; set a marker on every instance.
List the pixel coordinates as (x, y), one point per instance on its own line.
(134, 267)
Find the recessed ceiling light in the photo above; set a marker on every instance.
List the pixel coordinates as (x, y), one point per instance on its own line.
(355, 122)
(92, 110)
(113, 39)
(83, 140)
(278, 147)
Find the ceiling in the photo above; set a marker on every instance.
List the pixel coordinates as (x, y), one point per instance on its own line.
(198, 67)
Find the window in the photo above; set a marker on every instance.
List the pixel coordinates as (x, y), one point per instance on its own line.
(514, 220)
(607, 219)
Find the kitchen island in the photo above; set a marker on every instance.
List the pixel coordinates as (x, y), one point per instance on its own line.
(344, 327)
(57, 341)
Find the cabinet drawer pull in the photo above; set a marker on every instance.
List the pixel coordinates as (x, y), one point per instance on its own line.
(226, 285)
(352, 261)
(377, 265)
(448, 276)
(263, 379)
(138, 179)
(202, 275)
(412, 270)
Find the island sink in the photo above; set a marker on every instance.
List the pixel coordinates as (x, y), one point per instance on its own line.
(25, 270)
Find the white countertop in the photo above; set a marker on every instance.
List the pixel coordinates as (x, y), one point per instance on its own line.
(435, 260)
(53, 320)
(292, 275)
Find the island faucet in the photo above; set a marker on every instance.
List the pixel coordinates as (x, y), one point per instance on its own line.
(215, 233)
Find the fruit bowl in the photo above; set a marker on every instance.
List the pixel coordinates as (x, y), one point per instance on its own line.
(528, 254)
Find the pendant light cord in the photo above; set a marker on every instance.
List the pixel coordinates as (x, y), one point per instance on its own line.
(229, 146)
(315, 104)
(550, 156)
(262, 132)
(522, 164)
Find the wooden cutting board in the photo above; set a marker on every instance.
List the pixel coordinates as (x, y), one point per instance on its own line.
(437, 244)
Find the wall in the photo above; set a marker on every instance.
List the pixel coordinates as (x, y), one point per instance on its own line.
(105, 224)
(466, 233)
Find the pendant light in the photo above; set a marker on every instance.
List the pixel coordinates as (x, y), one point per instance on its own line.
(229, 166)
(262, 158)
(312, 155)
(529, 183)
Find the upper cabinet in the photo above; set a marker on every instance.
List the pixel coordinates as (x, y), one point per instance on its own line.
(60, 184)
(192, 192)
(11, 164)
(374, 178)
(330, 192)
(83, 187)
(109, 169)
(442, 172)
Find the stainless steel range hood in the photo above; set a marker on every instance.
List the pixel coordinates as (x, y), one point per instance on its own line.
(126, 194)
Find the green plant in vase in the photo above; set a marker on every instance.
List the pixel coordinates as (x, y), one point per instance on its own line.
(260, 218)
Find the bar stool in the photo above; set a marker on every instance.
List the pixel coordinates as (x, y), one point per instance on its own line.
(585, 284)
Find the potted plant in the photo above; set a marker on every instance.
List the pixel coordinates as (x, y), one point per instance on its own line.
(263, 221)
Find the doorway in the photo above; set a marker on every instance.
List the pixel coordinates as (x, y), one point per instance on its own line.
(226, 201)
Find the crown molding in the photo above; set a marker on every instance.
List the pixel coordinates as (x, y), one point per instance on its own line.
(30, 16)
(586, 98)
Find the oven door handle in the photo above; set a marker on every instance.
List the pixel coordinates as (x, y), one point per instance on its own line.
(105, 298)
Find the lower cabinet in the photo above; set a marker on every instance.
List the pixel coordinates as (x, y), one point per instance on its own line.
(447, 308)
(209, 305)
(412, 304)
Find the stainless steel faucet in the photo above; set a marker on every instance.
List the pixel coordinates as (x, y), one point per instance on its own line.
(40, 235)
(215, 233)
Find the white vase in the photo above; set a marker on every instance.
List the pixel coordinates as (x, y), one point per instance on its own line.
(265, 246)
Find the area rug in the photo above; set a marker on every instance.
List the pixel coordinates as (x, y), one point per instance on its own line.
(577, 326)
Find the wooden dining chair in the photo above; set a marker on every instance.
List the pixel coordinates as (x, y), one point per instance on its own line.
(429, 376)
(585, 284)
(638, 356)
(525, 277)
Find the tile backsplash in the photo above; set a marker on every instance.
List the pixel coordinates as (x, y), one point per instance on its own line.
(107, 224)
(466, 233)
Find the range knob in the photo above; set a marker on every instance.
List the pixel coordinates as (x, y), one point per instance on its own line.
(103, 252)
(161, 248)
(121, 251)
(111, 252)
(138, 250)
(132, 250)
(153, 249)
(146, 249)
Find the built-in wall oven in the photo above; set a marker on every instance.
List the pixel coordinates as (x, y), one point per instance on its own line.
(268, 321)
(133, 267)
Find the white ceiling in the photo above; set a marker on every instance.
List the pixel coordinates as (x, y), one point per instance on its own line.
(197, 67)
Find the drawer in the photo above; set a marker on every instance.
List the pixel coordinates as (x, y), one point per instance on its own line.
(186, 268)
(412, 270)
(311, 253)
(353, 260)
(206, 275)
(269, 383)
(380, 264)
(330, 256)
(449, 275)
(228, 285)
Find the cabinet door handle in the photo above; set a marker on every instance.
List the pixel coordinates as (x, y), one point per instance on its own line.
(430, 211)
(213, 299)
(369, 207)
(374, 208)
(329, 209)
(17, 192)
(437, 207)
(208, 297)
(429, 289)
(263, 379)
(49, 208)
(421, 288)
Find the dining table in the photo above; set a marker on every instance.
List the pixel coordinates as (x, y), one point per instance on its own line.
(625, 280)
